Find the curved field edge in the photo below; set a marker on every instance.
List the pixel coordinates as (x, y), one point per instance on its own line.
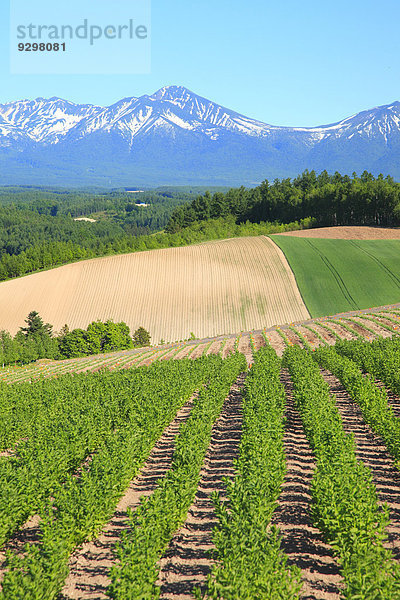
(207, 289)
(367, 324)
(337, 276)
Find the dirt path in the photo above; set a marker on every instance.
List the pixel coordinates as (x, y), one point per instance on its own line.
(90, 564)
(372, 451)
(187, 562)
(301, 541)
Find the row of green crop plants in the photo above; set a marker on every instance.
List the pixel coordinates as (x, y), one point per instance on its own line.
(345, 504)
(78, 441)
(346, 508)
(108, 422)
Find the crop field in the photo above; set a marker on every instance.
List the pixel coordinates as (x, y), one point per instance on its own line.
(216, 288)
(208, 289)
(379, 322)
(164, 479)
(339, 275)
(348, 232)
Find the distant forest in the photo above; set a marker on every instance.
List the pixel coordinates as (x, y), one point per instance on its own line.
(38, 231)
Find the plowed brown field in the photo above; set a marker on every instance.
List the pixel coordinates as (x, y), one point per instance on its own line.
(208, 289)
(349, 233)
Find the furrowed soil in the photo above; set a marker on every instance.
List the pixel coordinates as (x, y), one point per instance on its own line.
(210, 289)
(277, 342)
(393, 399)
(348, 233)
(311, 338)
(258, 340)
(371, 449)
(374, 325)
(29, 533)
(214, 348)
(301, 541)
(244, 347)
(293, 338)
(90, 564)
(360, 328)
(341, 331)
(328, 337)
(187, 561)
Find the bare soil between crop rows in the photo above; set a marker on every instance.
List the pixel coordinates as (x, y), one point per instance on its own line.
(301, 541)
(90, 564)
(393, 399)
(371, 449)
(29, 533)
(188, 559)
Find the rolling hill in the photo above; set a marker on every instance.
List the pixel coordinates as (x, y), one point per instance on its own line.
(216, 288)
(207, 289)
(340, 275)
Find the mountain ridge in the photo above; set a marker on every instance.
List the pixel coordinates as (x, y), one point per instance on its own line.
(175, 136)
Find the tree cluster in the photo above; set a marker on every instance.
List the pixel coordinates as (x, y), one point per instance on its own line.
(36, 340)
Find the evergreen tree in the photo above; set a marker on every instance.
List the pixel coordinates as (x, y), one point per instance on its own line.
(141, 338)
(35, 326)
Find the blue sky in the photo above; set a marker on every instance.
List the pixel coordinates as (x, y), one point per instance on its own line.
(285, 63)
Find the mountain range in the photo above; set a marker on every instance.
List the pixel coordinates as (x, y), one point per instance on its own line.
(176, 137)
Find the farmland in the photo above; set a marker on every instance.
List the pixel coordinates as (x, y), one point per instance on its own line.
(338, 275)
(260, 464)
(379, 322)
(348, 232)
(216, 288)
(209, 289)
(110, 476)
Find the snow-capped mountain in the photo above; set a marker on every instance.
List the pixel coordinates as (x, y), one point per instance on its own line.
(175, 136)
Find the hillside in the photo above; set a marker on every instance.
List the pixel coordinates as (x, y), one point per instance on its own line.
(208, 289)
(375, 323)
(348, 233)
(338, 275)
(216, 288)
(128, 462)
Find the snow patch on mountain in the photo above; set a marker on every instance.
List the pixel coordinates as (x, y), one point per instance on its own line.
(176, 113)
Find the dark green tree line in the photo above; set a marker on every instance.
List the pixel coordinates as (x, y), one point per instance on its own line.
(327, 199)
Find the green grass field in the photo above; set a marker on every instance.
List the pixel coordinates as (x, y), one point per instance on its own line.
(343, 275)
